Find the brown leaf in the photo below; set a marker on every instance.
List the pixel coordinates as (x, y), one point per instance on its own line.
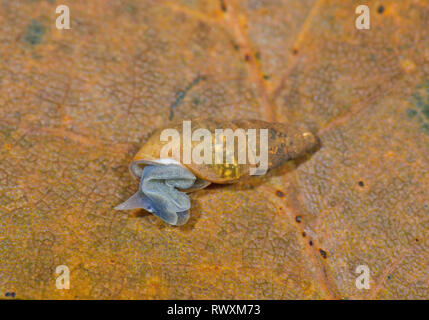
(75, 105)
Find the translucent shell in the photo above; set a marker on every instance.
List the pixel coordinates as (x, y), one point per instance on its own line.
(285, 142)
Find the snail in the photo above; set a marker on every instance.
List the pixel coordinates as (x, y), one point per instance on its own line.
(191, 155)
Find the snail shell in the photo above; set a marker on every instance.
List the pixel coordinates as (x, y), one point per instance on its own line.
(161, 177)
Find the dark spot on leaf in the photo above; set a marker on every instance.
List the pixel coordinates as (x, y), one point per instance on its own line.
(310, 243)
(361, 184)
(380, 9)
(298, 219)
(295, 52)
(181, 94)
(425, 110)
(280, 194)
(247, 57)
(266, 77)
(34, 32)
(304, 234)
(411, 113)
(323, 253)
(420, 106)
(223, 5)
(130, 8)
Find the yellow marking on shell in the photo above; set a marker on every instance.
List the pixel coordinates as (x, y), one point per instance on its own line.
(229, 171)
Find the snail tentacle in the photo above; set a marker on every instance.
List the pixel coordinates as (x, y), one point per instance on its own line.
(136, 201)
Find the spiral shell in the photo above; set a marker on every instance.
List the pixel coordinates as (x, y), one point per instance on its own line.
(285, 142)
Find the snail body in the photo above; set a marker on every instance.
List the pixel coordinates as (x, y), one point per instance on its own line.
(170, 163)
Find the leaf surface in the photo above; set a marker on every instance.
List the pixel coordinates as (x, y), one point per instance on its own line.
(75, 105)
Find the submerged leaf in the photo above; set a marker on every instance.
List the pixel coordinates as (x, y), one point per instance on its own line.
(75, 105)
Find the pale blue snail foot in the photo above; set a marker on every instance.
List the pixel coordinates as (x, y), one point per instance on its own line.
(158, 193)
(136, 201)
